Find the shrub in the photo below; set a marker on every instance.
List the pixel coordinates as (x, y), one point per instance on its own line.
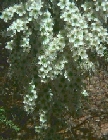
(53, 46)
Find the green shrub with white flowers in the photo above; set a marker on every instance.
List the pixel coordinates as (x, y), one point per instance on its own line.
(51, 45)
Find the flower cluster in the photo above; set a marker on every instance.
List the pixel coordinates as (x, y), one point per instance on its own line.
(38, 129)
(17, 26)
(8, 13)
(33, 7)
(74, 21)
(102, 9)
(27, 12)
(49, 58)
(30, 98)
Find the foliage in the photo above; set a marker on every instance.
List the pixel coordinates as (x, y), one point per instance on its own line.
(52, 44)
(6, 122)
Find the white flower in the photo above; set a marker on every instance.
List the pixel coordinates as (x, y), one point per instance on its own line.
(82, 53)
(33, 13)
(20, 9)
(24, 42)
(62, 3)
(6, 16)
(33, 86)
(9, 45)
(8, 13)
(33, 91)
(35, 96)
(42, 118)
(18, 26)
(30, 99)
(85, 93)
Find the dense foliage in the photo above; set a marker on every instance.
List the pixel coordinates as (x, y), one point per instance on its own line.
(53, 45)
